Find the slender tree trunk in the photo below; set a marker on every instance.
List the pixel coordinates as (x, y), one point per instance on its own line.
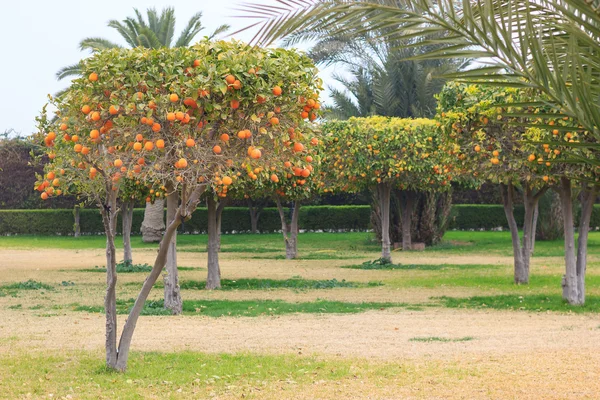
(290, 232)
(407, 201)
(172, 291)
(383, 191)
(109, 219)
(127, 221)
(255, 211)
(573, 282)
(536, 214)
(569, 281)
(188, 206)
(76, 226)
(153, 225)
(213, 279)
(507, 192)
(588, 198)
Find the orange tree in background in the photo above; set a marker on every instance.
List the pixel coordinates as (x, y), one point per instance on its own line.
(382, 153)
(510, 137)
(160, 116)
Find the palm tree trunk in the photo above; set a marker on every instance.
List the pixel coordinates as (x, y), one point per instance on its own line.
(172, 291)
(154, 222)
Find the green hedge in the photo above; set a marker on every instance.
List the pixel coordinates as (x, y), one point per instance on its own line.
(237, 219)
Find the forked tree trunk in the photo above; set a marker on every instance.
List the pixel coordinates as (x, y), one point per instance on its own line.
(153, 225)
(407, 202)
(255, 211)
(522, 250)
(383, 192)
(290, 232)
(127, 220)
(213, 279)
(109, 220)
(188, 206)
(76, 226)
(573, 282)
(172, 291)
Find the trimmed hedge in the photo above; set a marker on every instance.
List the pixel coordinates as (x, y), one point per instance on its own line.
(237, 219)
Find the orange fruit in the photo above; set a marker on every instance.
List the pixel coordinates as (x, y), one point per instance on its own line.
(304, 115)
(277, 91)
(148, 146)
(235, 104)
(113, 110)
(95, 116)
(217, 149)
(93, 77)
(287, 164)
(196, 63)
(56, 182)
(256, 154)
(44, 196)
(143, 120)
(190, 142)
(86, 109)
(63, 127)
(230, 79)
(179, 116)
(51, 175)
(160, 144)
(242, 134)
(170, 116)
(225, 137)
(309, 159)
(137, 146)
(260, 99)
(77, 148)
(141, 161)
(94, 134)
(152, 105)
(227, 180)
(531, 157)
(274, 178)
(274, 121)
(314, 141)
(85, 150)
(118, 163)
(477, 148)
(156, 127)
(298, 147)
(174, 98)
(182, 163)
(139, 137)
(311, 103)
(237, 85)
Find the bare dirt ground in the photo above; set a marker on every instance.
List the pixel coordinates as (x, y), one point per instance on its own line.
(503, 355)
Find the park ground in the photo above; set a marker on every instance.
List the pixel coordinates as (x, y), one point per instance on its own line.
(446, 323)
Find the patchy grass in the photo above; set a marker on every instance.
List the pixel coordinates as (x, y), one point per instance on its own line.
(13, 288)
(160, 375)
(535, 302)
(135, 268)
(381, 264)
(265, 284)
(429, 339)
(247, 308)
(318, 255)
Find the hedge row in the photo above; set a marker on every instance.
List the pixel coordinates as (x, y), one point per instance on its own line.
(237, 219)
(234, 219)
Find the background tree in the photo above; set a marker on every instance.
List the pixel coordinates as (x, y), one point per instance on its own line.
(158, 115)
(156, 31)
(383, 153)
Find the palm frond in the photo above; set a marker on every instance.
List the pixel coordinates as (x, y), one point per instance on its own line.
(69, 70)
(193, 27)
(95, 44)
(167, 27)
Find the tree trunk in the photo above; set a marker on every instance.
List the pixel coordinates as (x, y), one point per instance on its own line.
(154, 222)
(127, 220)
(187, 208)
(255, 211)
(109, 219)
(407, 201)
(76, 226)
(172, 291)
(383, 191)
(522, 250)
(569, 281)
(588, 198)
(290, 233)
(573, 282)
(213, 279)
(536, 214)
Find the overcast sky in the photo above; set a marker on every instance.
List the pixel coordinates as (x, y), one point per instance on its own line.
(38, 37)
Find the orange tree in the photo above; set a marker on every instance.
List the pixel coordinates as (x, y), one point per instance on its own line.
(520, 144)
(383, 153)
(160, 116)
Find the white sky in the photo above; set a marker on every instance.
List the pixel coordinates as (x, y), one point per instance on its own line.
(38, 37)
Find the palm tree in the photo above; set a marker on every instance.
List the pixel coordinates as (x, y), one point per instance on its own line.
(549, 46)
(154, 33)
(384, 79)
